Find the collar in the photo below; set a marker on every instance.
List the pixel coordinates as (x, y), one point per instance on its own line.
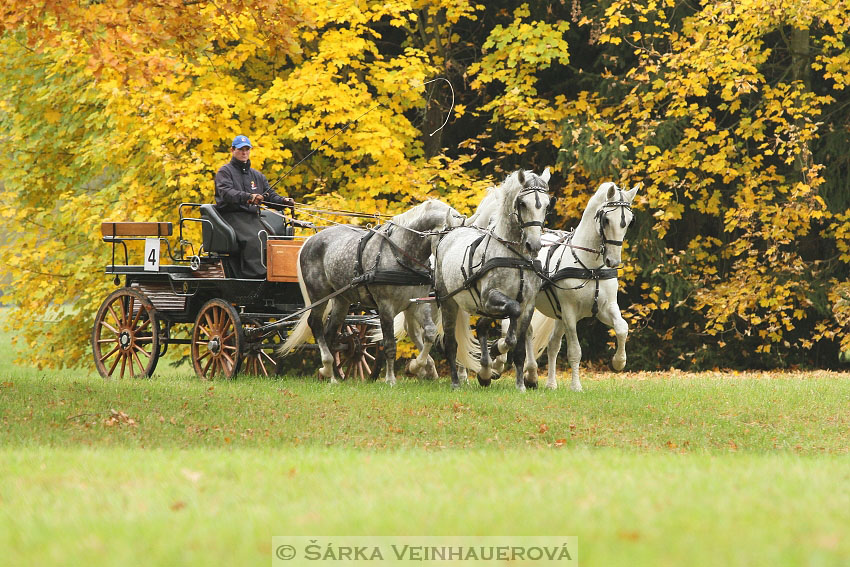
(243, 166)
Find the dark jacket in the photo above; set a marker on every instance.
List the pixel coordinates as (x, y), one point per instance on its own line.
(235, 182)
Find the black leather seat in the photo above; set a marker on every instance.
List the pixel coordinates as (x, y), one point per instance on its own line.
(218, 236)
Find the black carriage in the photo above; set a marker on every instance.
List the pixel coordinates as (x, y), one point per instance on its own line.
(236, 323)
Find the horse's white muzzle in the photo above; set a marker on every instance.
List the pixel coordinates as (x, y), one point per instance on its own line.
(534, 242)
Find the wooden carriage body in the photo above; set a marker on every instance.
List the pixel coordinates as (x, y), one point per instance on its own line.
(228, 315)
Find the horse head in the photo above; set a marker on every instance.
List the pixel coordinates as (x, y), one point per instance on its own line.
(528, 200)
(613, 218)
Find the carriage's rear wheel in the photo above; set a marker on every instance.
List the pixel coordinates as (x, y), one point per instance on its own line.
(259, 356)
(217, 340)
(125, 336)
(355, 354)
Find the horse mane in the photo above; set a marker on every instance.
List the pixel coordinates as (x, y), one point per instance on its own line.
(410, 216)
(599, 198)
(499, 201)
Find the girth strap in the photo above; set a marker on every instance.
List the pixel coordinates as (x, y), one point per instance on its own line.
(584, 274)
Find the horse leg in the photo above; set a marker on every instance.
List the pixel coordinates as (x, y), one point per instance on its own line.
(386, 317)
(613, 318)
(504, 307)
(499, 352)
(423, 333)
(524, 378)
(573, 352)
(448, 310)
(482, 330)
(552, 350)
(321, 332)
(530, 369)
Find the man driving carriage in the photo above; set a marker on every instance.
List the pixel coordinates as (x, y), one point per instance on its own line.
(239, 190)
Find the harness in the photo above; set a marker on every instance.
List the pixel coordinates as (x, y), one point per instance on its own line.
(584, 272)
(407, 276)
(473, 272)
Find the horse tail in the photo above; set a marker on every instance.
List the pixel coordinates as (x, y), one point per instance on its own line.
(301, 332)
(543, 328)
(466, 343)
(399, 329)
(400, 323)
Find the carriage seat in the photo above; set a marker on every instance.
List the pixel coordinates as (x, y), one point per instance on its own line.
(218, 236)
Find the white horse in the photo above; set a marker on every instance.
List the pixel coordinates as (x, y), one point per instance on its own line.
(492, 272)
(582, 282)
(384, 267)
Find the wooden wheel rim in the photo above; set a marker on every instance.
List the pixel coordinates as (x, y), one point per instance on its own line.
(216, 340)
(125, 336)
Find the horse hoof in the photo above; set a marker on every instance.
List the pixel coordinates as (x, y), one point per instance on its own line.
(530, 385)
(484, 381)
(455, 386)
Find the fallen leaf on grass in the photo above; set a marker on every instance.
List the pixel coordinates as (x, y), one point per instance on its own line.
(119, 418)
(179, 505)
(8, 384)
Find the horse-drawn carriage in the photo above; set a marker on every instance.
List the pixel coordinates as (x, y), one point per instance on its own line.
(492, 266)
(236, 323)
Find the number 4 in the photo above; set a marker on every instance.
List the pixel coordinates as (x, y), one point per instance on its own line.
(151, 254)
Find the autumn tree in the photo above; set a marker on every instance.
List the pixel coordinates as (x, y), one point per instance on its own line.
(723, 116)
(132, 105)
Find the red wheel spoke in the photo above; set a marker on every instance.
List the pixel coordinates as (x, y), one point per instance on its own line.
(115, 315)
(207, 366)
(108, 326)
(141, 350)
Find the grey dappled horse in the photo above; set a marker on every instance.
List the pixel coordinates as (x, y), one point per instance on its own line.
(491, 272)
(581, 266)
(384, 267)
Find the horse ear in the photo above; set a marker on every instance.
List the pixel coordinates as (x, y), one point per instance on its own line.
(611, 188)
(521, 177)
(545, 175)
(631, 194)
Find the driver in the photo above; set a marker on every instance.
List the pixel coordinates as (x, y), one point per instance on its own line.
(239, 190)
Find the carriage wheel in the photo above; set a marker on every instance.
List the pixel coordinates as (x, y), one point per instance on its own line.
(355, 356)
(217, 340)
(125, 336)
(259, 357)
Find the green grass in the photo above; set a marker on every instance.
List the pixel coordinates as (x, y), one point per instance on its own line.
(646, 469)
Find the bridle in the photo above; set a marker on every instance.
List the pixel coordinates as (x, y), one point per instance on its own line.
(600, 218)
(536, 186)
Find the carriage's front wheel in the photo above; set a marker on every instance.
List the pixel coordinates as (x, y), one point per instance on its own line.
(259, 356)
(125, 336)
(217, 340)
(355, 354)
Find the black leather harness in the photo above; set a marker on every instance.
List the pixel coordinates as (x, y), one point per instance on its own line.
(583, 273)
(406, 276)
(472, 272)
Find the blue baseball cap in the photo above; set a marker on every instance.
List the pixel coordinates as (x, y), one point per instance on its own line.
(240, 142)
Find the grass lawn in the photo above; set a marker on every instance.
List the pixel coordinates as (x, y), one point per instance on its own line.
(646, 469)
